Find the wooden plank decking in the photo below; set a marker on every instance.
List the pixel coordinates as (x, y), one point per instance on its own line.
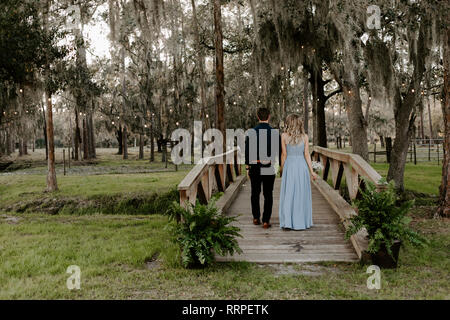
(323, 242)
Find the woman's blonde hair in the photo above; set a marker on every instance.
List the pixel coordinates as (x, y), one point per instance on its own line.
(294, 129)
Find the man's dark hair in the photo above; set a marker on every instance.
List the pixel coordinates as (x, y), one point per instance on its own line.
(263, 114)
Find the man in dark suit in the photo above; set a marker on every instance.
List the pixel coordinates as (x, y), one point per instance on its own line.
(262, 147)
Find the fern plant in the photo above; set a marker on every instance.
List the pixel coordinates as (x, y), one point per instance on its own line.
(202, 231)
(384, 220)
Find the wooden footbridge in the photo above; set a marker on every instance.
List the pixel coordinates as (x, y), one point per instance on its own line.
(325, 241)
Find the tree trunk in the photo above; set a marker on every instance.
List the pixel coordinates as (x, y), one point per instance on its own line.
(45, 134)
(25, 146)
(92, 152)
(319, 101)
(21, 147)
(85, 140)
(220, 77)
(125, 142)
(357, 124)
(51, 175)
(404, 113)
(422, 130)
(201, 67)
(152, 142)
(404, 128)
(305, 106)
(429, 118)
(120, 140)
(444, 189)
(8, 143)
(141, 147)
(77, 136)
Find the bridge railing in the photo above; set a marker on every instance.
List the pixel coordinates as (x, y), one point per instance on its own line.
(213, 173)
(353, 167)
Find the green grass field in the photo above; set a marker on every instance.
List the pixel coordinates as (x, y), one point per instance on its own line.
(423, 177)
(26, 187)
(132, 257)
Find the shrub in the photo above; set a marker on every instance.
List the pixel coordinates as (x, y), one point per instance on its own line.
(384, 220)
(202, 231)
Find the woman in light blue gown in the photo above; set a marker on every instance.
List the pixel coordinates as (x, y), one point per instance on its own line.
(295, 196)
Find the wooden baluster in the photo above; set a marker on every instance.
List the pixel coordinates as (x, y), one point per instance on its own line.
(193, 194)
(334, 164)
(221, 182)
(205, 186)
(211, 185)
(183, 197)
(326, 167)
(351, 177)
(232, 173)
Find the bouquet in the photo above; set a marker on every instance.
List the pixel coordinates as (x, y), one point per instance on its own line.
(317, 166)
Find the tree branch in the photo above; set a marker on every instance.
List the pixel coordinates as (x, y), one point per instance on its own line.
(333, 93)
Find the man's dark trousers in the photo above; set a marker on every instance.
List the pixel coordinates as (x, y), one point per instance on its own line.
(267, 182)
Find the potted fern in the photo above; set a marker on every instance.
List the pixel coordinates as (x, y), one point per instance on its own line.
(386, 223)
(201, 231)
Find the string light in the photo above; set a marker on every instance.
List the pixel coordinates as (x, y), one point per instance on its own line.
(207, 115)
(21, 90)
(413, 91)
(112, 123)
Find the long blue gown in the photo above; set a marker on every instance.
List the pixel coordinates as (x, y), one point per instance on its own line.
(295, 197)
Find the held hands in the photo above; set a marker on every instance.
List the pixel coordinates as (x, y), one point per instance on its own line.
(314, 176)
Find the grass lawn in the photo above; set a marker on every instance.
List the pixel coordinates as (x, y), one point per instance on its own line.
(131, 257)
(108, 184)
(17, 188)
(423, 177)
